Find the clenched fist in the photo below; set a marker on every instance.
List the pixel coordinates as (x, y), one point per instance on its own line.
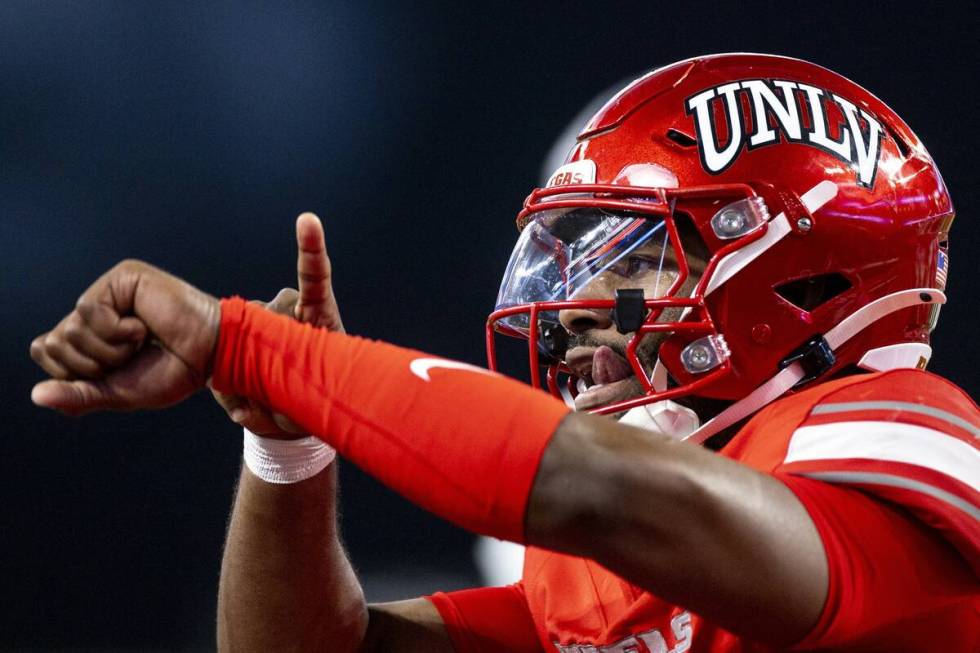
(137, 338)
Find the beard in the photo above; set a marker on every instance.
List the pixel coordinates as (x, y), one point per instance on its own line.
(646, 353)
(609, 377)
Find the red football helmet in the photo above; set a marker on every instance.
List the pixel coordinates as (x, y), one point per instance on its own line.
(820, 216)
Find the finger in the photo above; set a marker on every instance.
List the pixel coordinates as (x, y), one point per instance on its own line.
(48, 364)
(106, 323)
(286, 424)
(260, 422)
(312, 264)
(252, 416)
(62, 355)
(84, 339)
(73, 397)
(40, 351)
(284, 303)
(316, 301)
(234, 405)
(242, 411)
(132, 329)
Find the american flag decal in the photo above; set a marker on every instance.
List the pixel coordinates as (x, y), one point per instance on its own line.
(942, 269)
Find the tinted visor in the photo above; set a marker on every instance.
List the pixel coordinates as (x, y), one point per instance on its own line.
(585, 253)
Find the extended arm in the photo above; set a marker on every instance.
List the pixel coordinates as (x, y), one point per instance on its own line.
(717, 537)
(398, 414)
(697, 529)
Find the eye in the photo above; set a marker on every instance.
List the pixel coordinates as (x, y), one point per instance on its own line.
(640, 265)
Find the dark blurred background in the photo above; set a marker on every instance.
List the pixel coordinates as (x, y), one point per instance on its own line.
(192, 134)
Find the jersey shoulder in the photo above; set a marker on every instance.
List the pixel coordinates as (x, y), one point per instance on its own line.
(904, 436)
(905, 397)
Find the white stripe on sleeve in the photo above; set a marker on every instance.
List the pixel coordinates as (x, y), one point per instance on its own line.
(888, 441)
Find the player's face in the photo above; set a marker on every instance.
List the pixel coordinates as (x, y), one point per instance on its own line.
(588, 253)
(597, 351)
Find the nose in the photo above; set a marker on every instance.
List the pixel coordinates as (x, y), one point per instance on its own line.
(579, 320)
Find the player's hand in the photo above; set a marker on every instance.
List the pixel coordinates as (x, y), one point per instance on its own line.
(315, 303)
(137, 338)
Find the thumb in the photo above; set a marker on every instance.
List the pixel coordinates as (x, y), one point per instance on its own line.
(72, 397)
(317, 304)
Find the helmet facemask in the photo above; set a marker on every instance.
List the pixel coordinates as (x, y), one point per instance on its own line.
(617, 256)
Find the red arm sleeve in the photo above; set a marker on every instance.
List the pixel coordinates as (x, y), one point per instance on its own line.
(456, 439)
(488, 620)
(894, 583)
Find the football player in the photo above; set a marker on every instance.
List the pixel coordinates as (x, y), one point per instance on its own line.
(744, 252)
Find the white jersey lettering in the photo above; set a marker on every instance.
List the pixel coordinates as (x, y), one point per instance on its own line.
(650, 641)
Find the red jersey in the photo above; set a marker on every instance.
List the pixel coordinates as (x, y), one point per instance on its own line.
(888, 467)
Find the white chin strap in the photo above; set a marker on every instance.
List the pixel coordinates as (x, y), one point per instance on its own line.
(665, 417)
(792, 374)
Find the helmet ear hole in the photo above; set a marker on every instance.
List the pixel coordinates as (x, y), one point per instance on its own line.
(811, 292)
(903, 146)
(679, 137)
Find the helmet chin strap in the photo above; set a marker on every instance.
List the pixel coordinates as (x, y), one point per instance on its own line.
(788, 377)
(665, 417)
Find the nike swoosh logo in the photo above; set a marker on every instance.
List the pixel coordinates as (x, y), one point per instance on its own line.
(420, 367)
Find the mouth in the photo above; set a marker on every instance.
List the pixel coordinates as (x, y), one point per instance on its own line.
(604, 376)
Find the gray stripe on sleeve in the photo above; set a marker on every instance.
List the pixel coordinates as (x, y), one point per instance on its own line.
(900, 406)
(890, 480)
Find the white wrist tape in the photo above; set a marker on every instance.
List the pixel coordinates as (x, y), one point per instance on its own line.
(286, 461)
